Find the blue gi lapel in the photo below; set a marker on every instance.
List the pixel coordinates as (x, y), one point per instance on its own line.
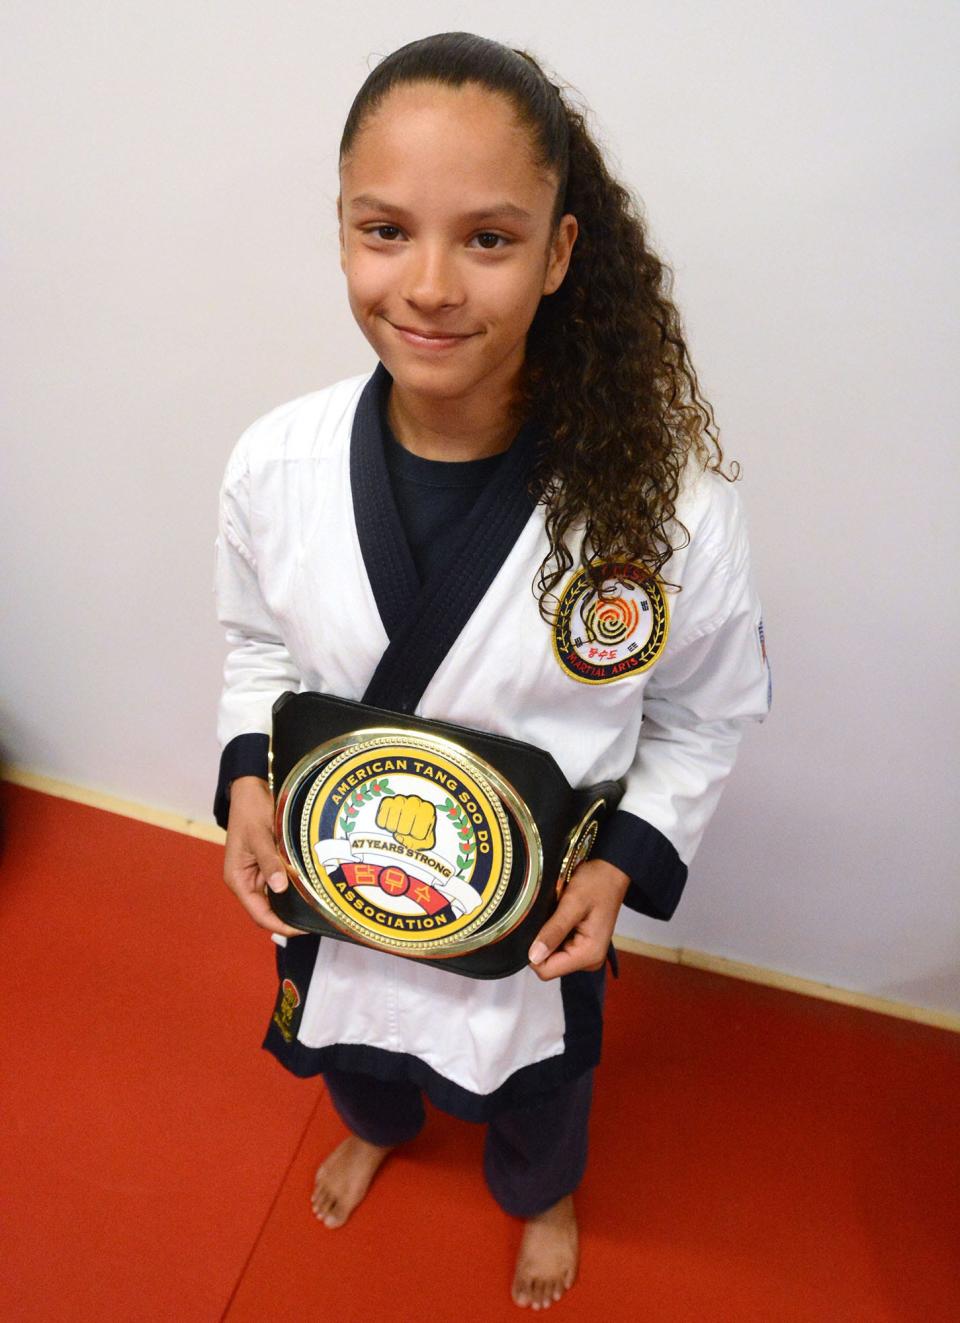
(383, 544)
(424, 621)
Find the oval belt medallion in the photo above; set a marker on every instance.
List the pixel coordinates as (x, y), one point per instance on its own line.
(411, 844)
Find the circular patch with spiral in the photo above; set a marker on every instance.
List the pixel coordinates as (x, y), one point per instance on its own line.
(619, 629)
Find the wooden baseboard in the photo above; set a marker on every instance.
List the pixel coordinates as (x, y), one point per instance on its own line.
(205, 831)
(772, 978)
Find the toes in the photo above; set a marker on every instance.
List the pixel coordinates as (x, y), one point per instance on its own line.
(334, 1216)
(325, 1208)
(544, 1292)
(541, 1292)
(521, 1293)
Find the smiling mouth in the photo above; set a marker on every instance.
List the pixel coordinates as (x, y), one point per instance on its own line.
(432, 335)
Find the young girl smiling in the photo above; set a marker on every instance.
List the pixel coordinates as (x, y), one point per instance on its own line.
(533, 430)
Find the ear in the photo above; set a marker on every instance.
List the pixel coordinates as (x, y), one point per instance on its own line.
(343, 250)
(558, 256)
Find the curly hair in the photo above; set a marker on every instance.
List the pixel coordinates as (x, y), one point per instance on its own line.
(607, 371)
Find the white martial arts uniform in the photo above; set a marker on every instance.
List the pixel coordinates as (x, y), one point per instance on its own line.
(312, 585)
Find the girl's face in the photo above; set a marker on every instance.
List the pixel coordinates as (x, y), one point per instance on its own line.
(446, 241)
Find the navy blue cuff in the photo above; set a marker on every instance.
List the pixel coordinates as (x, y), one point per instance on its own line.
(244, 755)
(657, 873)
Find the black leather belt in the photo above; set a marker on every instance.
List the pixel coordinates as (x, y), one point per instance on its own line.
(421, 838)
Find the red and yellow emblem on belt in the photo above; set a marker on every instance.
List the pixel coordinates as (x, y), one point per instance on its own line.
(403, 842)
(603, 634)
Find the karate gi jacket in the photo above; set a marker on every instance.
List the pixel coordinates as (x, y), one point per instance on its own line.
(317, 589)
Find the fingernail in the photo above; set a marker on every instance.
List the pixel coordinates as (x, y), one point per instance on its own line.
(277, 882)
(537, 952)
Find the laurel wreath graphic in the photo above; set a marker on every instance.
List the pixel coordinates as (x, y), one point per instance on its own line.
(372, 789)
(467, 840)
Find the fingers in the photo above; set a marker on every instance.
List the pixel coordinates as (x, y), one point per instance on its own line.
(562, 921)
(255, 848)
(268, 859)
(578, 934)
(249, 886)
(576, 953)
(564, 944)
(252, 862)
(250, 838)
(258, 907)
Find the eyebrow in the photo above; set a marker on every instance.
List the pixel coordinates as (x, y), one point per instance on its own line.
(505, 210)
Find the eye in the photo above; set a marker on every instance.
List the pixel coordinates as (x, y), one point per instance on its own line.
(386, 232)
(487, 234)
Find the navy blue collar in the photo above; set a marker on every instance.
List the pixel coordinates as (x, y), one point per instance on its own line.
(423, 621)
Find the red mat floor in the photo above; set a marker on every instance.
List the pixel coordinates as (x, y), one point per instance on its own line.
(757, 1157)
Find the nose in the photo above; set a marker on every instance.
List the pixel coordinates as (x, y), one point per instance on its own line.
(432, 279)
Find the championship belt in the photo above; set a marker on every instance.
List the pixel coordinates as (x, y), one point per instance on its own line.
(421, 838)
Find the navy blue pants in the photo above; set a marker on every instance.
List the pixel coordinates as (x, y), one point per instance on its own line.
(532, 1156)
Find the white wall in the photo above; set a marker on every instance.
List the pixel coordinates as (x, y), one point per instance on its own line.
(170, 273)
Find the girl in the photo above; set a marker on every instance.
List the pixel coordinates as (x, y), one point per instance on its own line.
(527, 490)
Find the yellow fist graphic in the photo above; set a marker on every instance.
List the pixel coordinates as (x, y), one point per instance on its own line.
(411, 819)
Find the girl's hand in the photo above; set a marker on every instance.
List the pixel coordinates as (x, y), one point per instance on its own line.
(252, 862)
(578, 932)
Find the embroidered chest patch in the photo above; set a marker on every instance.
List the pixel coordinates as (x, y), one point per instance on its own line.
(618, 630)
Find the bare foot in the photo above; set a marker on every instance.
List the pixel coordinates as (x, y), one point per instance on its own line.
(343, 1179)
(548, 1257)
